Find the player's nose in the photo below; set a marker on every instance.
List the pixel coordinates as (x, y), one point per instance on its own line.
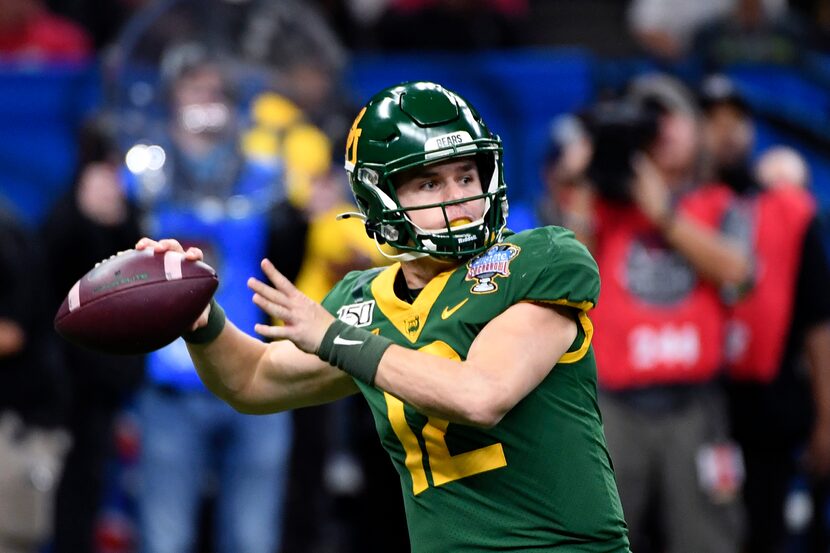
(455, 191)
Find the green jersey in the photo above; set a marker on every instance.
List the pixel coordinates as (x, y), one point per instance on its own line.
(541, 479)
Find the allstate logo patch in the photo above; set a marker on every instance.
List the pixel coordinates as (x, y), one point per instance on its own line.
(493, 263)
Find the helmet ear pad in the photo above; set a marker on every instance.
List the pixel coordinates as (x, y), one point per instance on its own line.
(373, 232)
(370, 225)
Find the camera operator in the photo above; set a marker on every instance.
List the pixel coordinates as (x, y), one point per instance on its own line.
(655, 238)
(778, 340)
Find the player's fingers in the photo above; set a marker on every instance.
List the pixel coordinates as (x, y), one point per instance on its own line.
(265, 304)
(194, 254)
(169, 245)
(273, 332)
(202, 320)
(145, 243)
(266, 291)
(277, 278)
(274, 310)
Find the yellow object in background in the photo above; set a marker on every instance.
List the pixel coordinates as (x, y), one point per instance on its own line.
(261, 144)
(274, 111)
(307, 154)
(306, 148)
(333, 249)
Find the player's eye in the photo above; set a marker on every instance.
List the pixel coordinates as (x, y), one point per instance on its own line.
(428, 185)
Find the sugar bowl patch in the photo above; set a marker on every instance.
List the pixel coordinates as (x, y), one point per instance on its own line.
(495, 262)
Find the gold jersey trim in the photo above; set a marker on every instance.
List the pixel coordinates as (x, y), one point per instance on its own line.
(584, 321)
(409, 319)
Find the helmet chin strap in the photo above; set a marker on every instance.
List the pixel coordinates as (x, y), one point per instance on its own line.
(405, 256)
(425, 232)
(408, 256)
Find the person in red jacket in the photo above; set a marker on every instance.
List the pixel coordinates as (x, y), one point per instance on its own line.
(655, 236)
(777, 404)
(30, 32)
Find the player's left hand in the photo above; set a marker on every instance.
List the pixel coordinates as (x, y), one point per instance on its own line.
(304, 321)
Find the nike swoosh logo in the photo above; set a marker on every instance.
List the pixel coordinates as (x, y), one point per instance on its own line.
(448, 311)
(338, 341)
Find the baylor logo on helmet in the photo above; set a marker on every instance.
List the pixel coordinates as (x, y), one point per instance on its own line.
(351, 141)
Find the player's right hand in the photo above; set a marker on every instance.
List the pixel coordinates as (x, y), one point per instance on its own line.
(170, 245)
(305, 321)
(191, 254)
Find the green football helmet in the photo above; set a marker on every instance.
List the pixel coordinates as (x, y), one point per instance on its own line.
(416, 124)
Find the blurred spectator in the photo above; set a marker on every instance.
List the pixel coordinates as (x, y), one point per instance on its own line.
(785, 315)
(156, 25)
(90, 224)
(568, 197)
(656, 242)
(102, 20)
(754, 31)
(817, 13)
(30, 32)
(453, 25)
(333, 247)
(781, 166)
(664, 28)
(194, 183)
(327, 485)
(305, 60)
(33, 396)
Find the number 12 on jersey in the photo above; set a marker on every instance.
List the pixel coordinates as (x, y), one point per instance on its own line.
(444, 466)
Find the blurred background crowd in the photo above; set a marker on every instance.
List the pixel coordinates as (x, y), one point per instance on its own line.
(685, 142)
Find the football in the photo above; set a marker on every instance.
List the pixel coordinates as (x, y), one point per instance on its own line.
(136, 302)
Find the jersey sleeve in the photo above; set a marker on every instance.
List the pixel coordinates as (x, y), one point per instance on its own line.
(335, 298)
(554, 267)
(350, 289)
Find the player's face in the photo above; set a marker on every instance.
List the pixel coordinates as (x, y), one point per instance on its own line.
(204, 85)
(442, 182)
(200, 102)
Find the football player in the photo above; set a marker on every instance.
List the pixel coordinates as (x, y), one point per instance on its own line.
(473, 350)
